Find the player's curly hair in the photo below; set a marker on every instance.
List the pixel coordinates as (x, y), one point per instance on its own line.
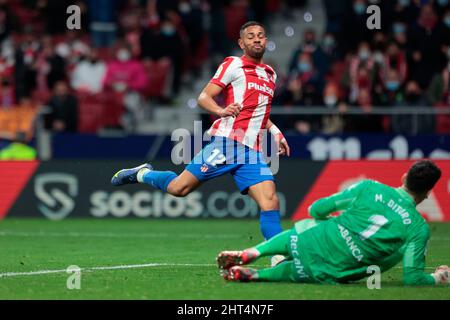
(422, 176)
(250, 24)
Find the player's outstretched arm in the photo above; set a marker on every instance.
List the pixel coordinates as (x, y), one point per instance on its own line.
(283, 146)
(206, 101)
(336, 202)
(414, 262)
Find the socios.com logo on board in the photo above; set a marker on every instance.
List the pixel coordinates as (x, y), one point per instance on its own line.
(56, 193)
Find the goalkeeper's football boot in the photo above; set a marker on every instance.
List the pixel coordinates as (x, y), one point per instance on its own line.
(238, 273)
(128, 176)
(228, 259)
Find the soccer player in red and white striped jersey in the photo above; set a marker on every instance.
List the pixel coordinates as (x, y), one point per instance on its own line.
(248, 85)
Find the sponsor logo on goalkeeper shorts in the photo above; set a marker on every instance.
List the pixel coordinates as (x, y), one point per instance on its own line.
(356, 252)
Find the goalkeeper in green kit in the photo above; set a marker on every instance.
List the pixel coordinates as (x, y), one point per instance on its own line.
(379, 226)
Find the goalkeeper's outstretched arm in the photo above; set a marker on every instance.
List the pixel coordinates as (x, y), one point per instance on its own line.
(336, 202)
(414, 262)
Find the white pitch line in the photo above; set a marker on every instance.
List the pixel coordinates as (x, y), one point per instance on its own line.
(120, 267)
(123, 267)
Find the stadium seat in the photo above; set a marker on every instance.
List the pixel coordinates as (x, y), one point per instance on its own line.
(17, 119)
(99, 111)
(113, 108)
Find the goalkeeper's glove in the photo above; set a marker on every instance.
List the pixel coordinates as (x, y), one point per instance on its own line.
(442, 275)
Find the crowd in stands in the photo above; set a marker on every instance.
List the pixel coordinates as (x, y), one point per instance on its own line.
(127, 53)
(132, 52)
(404, 64)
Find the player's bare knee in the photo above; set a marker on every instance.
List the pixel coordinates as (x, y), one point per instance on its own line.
(270, 202)
(180, 190)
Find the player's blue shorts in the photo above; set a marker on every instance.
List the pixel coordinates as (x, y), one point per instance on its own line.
(223, 155)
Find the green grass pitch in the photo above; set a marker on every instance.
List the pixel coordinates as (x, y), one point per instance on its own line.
(165, 259)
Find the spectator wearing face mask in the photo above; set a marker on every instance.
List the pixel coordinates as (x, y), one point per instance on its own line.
(72, 48)
(333, 123)
(330, 47)
(393, 92)
(125, 73)
(310, 95)
(306, 72)
(302, 89)
(408, 123)
(295, 92)
(379, 43)
(89, 73)
(131, 29)
(127, 76)
(395, 58)
(399, 30)
(322, 55)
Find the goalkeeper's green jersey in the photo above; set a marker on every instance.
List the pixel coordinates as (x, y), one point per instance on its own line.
(379, 226)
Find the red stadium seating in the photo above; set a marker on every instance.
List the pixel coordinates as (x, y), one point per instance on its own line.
(99, 111)
(19, 118)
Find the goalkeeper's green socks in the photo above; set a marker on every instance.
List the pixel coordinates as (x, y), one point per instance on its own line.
(283, 272)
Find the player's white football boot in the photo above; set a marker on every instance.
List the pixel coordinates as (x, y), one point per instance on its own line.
(128, 176)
